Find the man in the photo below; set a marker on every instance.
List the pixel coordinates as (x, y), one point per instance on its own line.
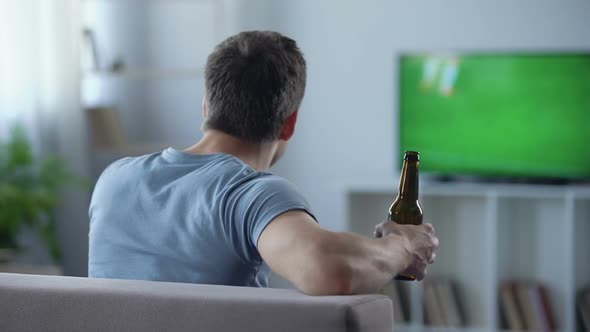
(212, 214)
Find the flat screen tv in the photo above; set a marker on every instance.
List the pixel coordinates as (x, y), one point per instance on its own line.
(505, 115)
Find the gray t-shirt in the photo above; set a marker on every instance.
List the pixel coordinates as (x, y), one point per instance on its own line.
(179, 217)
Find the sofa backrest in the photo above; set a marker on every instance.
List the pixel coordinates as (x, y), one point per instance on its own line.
(51, 303)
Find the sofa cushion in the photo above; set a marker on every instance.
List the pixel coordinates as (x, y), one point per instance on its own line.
(51, 303)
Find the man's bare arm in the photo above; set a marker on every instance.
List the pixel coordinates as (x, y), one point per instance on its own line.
(321, 262)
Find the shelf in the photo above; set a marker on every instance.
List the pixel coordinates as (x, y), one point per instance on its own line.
(155, 74)
(533, 245)
(463, 231)
(530, 234)
(490, 233)
(460, 189)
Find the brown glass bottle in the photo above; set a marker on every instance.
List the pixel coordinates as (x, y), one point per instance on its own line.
(406, 207)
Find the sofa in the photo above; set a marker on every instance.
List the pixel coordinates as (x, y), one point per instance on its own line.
(57, 303)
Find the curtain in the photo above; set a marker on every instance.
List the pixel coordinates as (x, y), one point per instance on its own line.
(19, 63)
(40, 90)
(38, 64)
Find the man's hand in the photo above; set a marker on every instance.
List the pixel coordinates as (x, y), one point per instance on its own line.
(421, 244)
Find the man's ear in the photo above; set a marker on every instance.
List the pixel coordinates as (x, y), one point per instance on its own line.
(204, 105)
(289, 127)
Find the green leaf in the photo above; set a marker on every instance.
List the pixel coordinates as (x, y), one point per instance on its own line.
(29, 191)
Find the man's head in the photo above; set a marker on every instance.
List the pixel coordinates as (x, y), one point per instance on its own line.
(255, 82)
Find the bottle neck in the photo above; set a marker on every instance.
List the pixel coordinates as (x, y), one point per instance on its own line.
(408, 184)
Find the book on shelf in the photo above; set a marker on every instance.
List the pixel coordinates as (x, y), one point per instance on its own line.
(432, 312)
(441, 305)
(549, 322)
(447, 299)
(525, 305)
(394, 291)
(509, 308)
(583, 306)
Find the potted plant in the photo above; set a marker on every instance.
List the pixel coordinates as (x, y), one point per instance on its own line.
(29, 194)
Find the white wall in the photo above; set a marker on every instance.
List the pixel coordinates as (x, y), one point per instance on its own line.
(162, 36)
(346, 136)
(159, 35)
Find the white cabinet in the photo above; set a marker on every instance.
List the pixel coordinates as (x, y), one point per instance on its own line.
(490, 233)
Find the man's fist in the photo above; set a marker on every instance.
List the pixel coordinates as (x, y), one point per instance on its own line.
(421, 244)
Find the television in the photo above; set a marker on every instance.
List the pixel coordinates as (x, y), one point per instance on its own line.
(504, 116)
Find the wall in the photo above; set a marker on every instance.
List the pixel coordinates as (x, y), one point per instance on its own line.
(345, 137)
(152, 111)
(346, 134)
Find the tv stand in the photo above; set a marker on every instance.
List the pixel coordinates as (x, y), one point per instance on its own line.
(492, 232)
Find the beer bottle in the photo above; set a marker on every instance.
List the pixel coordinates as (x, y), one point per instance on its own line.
(406, 208)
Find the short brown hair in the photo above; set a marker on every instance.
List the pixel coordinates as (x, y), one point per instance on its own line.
(254, 81)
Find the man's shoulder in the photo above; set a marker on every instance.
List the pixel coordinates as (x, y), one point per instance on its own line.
(135, 161)
(126, 167)
(270, 180)
(264, 185)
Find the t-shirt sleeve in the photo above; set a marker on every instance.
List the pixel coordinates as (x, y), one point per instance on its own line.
(101, 189)
(255, 204)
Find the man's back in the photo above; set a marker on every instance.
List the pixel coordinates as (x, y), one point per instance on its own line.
(173, 216)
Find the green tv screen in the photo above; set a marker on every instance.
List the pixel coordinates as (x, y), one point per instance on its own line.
(497, 115)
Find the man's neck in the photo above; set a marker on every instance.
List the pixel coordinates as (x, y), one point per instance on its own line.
(256, 155)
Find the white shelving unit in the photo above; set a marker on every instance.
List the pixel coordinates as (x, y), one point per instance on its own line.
(490, 233)
(160, 49)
